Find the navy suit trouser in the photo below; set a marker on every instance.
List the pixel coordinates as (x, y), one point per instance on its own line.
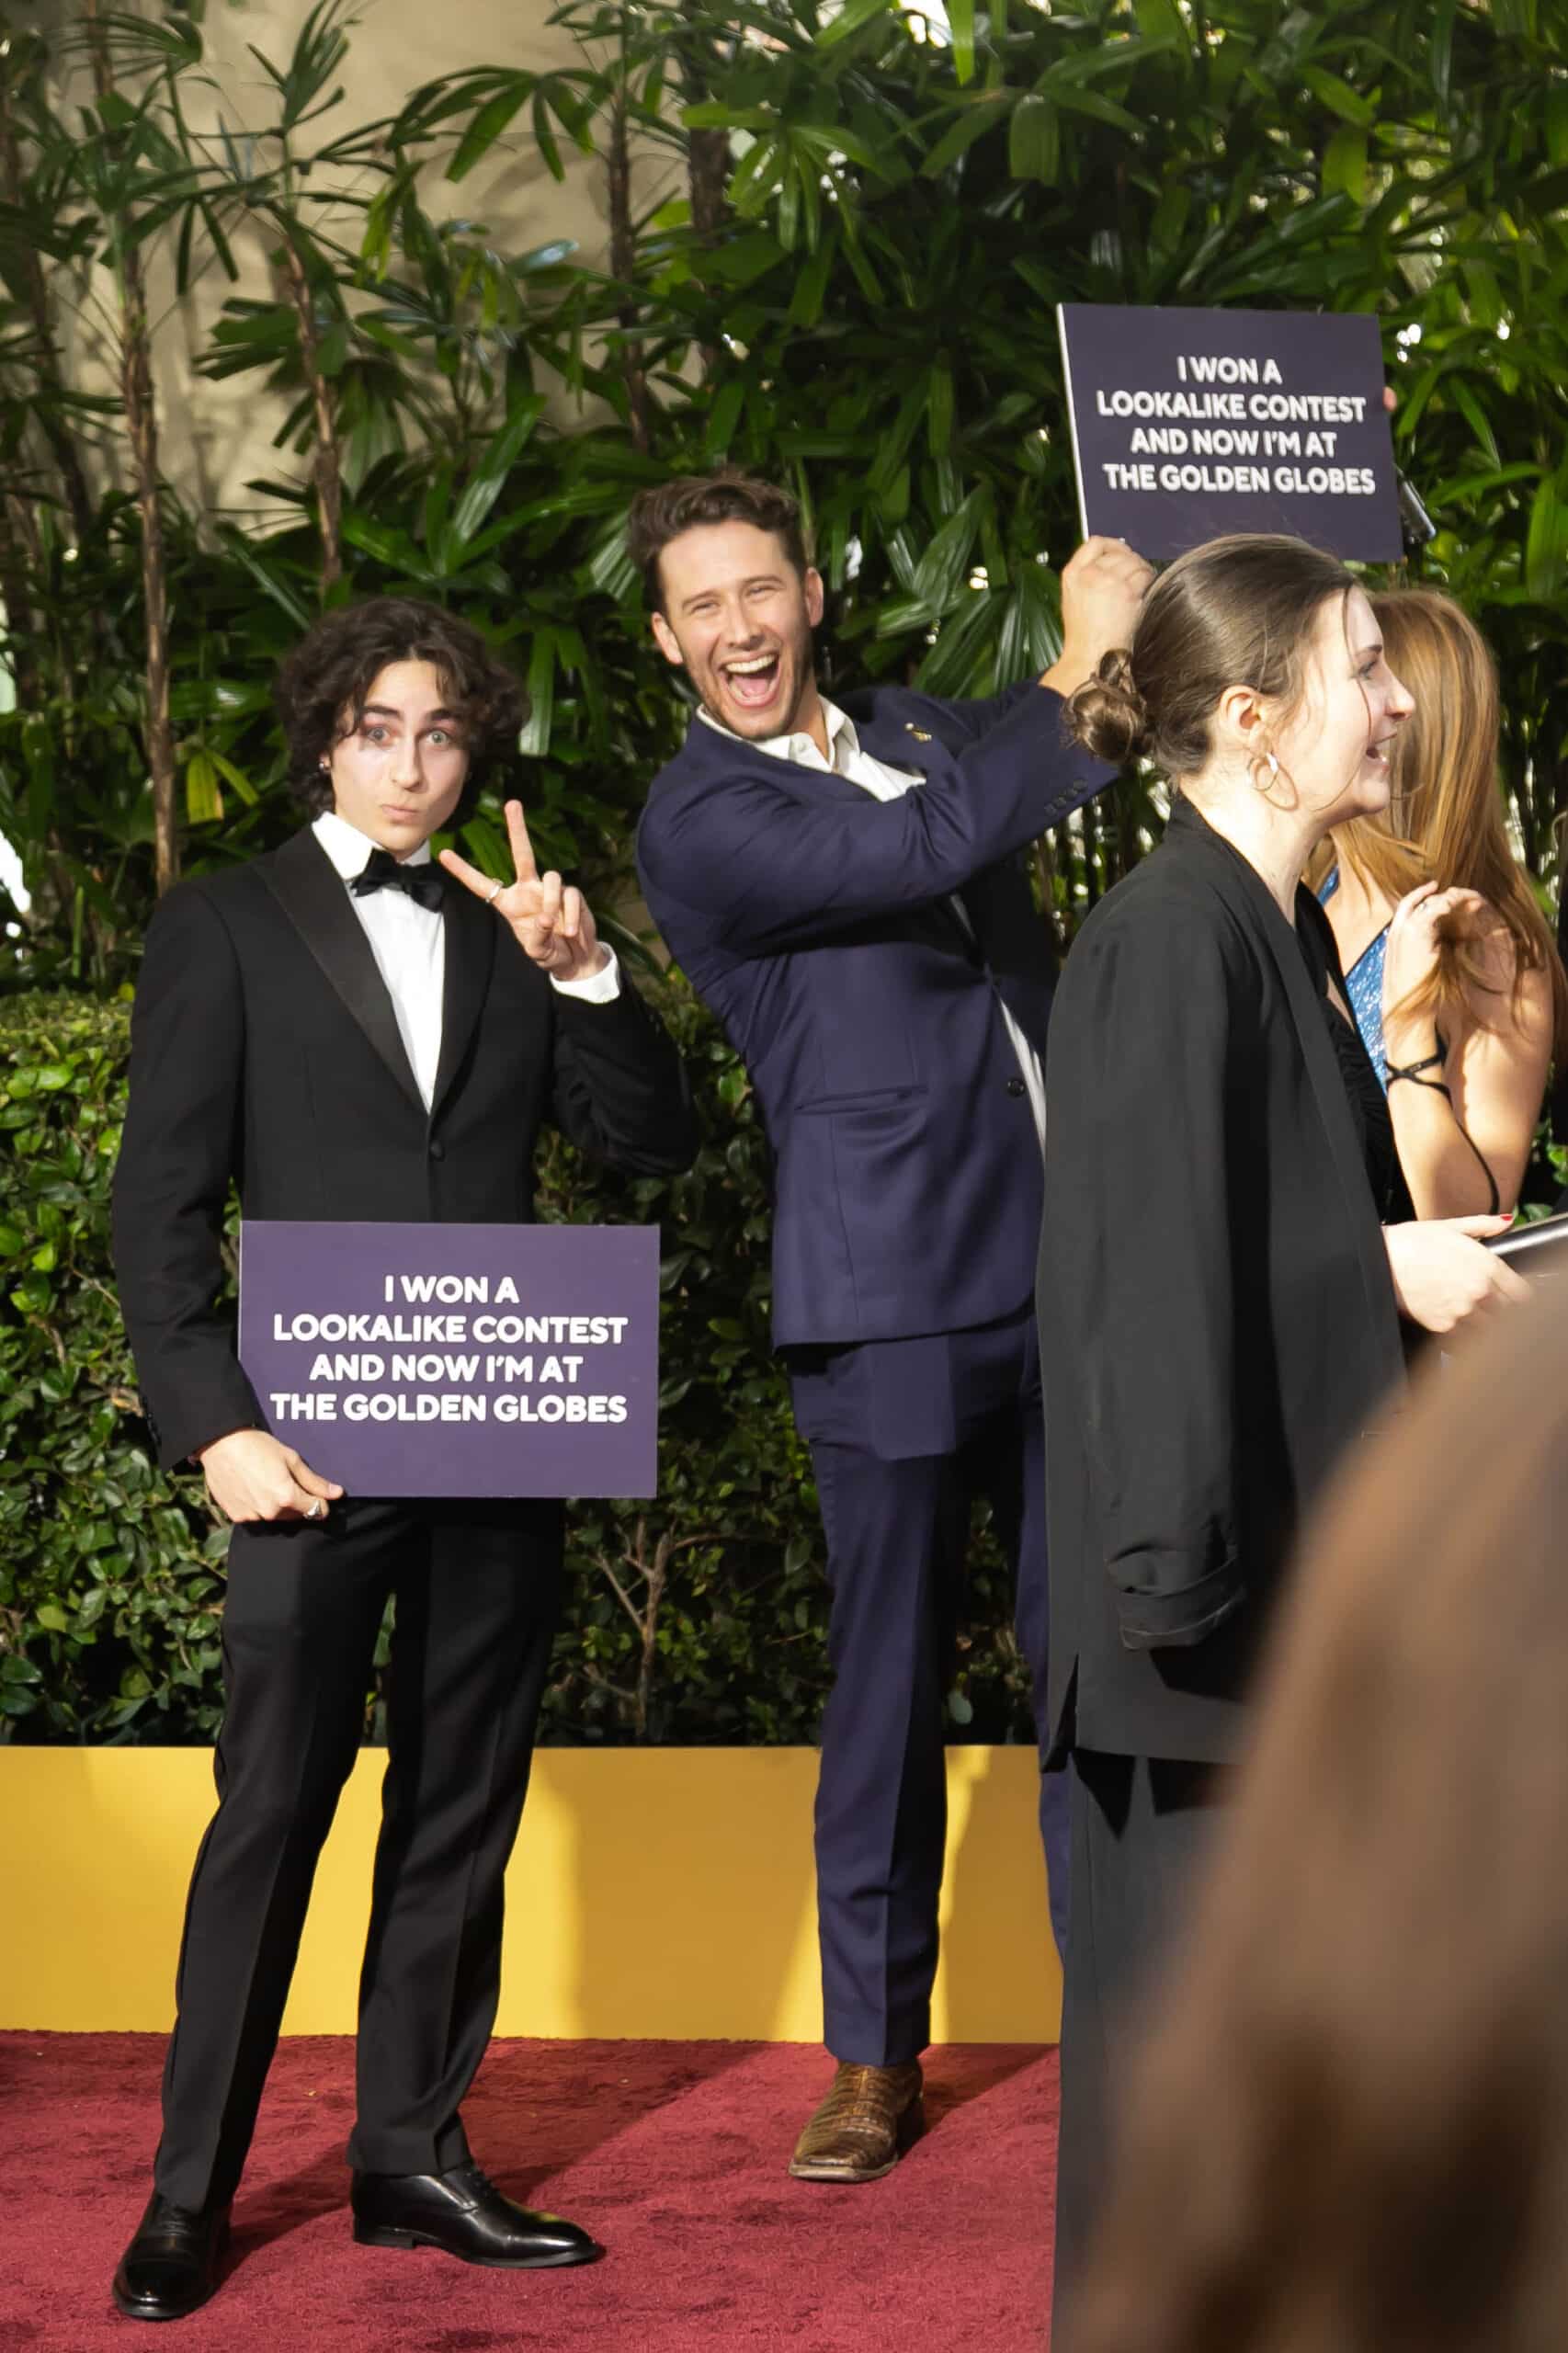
(904, 1436)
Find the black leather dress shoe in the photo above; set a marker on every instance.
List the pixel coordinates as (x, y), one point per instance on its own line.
(463, 2213)
(171, 2266)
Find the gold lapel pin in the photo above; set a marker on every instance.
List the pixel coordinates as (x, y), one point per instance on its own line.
(919, 733)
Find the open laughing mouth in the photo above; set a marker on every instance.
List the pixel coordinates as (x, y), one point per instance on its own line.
(753, 682)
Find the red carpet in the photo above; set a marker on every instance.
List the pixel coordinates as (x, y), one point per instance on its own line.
(671, 2153)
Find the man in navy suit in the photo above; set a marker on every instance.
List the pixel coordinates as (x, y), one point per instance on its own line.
(843, 887)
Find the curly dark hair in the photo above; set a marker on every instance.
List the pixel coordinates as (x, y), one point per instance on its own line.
(321, 686)
(662, 512)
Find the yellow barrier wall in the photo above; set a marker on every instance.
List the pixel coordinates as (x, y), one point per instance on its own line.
(653, 1893)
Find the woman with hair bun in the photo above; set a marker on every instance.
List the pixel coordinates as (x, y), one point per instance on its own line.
(1227, 1247)
(1453, 973)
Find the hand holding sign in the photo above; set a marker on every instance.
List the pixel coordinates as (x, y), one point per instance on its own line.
(1103, 585)
(550, 922)
(252, 1475)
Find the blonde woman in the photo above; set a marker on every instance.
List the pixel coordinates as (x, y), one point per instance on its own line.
(1451, 971)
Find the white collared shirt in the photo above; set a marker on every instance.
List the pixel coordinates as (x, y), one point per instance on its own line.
(409, 944)
(886, 783)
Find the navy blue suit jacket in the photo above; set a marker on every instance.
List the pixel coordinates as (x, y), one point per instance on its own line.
(815, 921)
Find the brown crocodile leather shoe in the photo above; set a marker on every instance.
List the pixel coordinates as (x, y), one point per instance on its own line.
(869, 2118)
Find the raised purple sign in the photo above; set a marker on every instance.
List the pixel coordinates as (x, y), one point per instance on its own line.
(1189, 424)
(458, 1359)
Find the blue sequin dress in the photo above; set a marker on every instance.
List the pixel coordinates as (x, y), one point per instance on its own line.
(1364, 987)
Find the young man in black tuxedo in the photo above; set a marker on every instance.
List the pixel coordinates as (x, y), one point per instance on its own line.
(348, 1032)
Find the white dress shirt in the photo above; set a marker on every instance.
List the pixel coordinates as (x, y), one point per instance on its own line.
(409, 944)
(883, 783)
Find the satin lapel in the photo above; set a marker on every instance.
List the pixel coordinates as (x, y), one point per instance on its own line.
(471, 931)
(1252, 901)
(310, 891)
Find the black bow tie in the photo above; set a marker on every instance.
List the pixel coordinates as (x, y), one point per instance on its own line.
(385, 872)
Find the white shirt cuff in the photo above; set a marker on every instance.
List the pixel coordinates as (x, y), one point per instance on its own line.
(600, 988)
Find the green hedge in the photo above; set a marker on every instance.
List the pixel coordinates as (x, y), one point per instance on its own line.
(697, 1618)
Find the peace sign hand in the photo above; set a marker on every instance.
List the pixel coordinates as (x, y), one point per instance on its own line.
(550, 923)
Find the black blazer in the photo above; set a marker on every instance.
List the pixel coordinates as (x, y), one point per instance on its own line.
(1217, 1315)
(266, 1052)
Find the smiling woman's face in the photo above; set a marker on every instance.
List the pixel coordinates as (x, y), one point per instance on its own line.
(740, 617)
(1335, 746)
(400, 773)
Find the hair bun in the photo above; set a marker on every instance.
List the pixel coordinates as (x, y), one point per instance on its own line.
(1107, 715)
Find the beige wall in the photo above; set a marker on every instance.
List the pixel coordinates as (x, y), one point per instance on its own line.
(217, 436)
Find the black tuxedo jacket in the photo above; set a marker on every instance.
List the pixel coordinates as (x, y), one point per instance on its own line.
(1217, 1317)
(266, 1052)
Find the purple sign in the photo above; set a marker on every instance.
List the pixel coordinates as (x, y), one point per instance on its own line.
(1190, 424)
(458, 1359)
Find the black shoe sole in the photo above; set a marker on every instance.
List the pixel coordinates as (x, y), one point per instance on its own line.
(129, 2307)
(403, 2242)
(131, 2310)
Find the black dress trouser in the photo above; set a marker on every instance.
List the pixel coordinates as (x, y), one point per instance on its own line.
(478, 1593)
(1140, 1830)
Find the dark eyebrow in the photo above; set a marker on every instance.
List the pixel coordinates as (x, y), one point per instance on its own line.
(757, 580)
(1373, 646)
(386, 710)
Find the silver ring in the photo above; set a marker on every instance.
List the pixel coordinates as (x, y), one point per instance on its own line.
(316, 1510)
(495, 894)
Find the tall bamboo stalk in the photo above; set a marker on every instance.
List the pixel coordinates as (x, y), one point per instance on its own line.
(1045, 868)
(708, 175)
(141, 424)
(46, 352)
(708, 160)
(623, 250)
(18, 523)
(18, 636)
(328, 467)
